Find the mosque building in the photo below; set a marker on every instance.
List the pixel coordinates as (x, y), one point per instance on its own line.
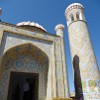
(32, 61)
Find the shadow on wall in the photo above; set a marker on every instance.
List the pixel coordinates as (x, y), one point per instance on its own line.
(77, 79)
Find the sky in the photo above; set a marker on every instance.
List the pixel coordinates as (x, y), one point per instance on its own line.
(49, 13)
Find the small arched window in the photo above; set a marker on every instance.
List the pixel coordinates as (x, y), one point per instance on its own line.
(71, 17)
(77, 15)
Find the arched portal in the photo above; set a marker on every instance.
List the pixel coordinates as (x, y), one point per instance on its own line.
(26, 61)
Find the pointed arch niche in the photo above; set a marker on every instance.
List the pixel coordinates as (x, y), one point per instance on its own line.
(25, 58)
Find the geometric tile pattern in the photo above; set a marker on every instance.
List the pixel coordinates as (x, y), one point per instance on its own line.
(24, 58)
(46, 47)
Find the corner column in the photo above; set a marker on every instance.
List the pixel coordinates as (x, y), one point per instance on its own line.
(61, 68)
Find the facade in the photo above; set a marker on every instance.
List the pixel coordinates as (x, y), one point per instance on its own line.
(29, 53)
(86, 70)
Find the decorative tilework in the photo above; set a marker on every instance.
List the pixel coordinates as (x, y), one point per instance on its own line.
(24, 58)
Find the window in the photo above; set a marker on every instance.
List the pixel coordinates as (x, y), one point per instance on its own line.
(71, 18)
(77, 15)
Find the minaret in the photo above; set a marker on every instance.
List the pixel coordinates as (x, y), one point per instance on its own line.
(82, 54)
(63, 68)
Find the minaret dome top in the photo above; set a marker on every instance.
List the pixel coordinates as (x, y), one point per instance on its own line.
(74, 12)
(59, 26)
(73, 6)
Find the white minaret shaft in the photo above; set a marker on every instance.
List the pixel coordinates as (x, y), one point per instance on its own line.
(82, 54)
(63, 68)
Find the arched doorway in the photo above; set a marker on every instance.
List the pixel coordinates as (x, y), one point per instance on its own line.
(19, 64)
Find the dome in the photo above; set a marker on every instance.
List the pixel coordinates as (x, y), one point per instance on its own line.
(31, 26)
(73, 6)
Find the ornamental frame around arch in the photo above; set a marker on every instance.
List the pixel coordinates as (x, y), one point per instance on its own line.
(17, 49)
